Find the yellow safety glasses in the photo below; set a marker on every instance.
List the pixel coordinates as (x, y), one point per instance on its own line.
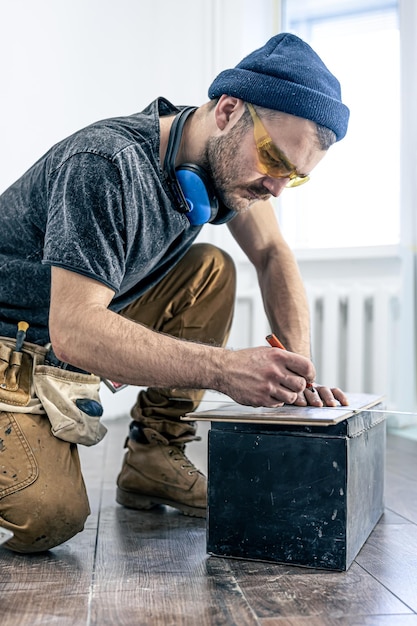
(273, 162)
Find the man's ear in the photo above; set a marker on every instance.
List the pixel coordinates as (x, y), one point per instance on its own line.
(228, 110)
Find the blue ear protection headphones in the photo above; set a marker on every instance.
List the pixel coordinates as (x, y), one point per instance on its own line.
(190, 184)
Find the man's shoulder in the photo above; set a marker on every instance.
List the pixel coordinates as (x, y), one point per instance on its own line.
(111, 136)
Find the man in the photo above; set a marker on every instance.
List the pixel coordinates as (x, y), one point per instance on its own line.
(96, 256)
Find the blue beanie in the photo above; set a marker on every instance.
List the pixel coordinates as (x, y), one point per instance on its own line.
(287, 75)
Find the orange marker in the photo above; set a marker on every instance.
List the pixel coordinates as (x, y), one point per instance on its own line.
(275, 343)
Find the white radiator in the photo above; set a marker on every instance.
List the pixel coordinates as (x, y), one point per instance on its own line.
(354, 328)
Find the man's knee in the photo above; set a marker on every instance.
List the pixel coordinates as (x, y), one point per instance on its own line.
(219, 261)
(43, 500)
(195, 300)
(39, 524)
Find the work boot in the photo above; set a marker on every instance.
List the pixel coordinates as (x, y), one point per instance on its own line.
(156, 471)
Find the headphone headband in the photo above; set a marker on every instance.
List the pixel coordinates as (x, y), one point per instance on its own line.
(174, 141)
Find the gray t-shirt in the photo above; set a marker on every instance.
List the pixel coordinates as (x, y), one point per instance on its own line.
(97, 204)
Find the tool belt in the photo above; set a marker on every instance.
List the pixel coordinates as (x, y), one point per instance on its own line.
(70, 399)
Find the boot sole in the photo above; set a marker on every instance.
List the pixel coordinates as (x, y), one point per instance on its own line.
(141, 502)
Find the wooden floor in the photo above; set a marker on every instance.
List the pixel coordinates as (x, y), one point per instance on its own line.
(151, 568)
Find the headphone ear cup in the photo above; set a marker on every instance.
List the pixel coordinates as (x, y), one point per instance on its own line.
(190, 184)
(195, 187)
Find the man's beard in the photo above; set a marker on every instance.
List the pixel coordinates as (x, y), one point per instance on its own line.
(225, 169)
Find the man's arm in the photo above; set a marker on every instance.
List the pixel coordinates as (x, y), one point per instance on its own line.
(85, 333)
(258, 234)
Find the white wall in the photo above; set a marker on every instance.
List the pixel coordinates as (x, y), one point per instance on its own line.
(66, 63)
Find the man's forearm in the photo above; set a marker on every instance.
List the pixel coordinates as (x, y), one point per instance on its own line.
(286, 303)
(85, 333)
(117, 348)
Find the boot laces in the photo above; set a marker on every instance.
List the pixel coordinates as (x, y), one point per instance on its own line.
(178, 455)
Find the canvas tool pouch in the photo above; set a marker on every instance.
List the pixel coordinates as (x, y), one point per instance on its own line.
(27, 385)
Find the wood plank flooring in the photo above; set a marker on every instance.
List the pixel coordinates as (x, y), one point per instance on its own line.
(150, 568)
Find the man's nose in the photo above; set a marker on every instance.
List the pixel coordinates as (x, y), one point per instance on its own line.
(275, 186)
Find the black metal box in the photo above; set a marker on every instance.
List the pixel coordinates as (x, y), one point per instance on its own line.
(296, 494)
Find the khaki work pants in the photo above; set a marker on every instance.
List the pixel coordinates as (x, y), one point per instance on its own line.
(43, 499)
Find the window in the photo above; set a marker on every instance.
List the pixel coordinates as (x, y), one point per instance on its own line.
(353, 198)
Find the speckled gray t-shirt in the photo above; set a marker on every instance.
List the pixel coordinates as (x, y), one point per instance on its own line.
(97, 204)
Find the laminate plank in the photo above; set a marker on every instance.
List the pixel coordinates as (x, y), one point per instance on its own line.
(390, 517)
(152, 568)
(401, 444)
(401, 457)
(50, 587)
(400, 496)
(29, 606)
(348, 620)
(182, 601)
(285, 591)
(390, 556)
(70, 564)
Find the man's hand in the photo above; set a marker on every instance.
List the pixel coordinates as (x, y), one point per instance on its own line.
(264, 377)
(271, 378)
(322, 396)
